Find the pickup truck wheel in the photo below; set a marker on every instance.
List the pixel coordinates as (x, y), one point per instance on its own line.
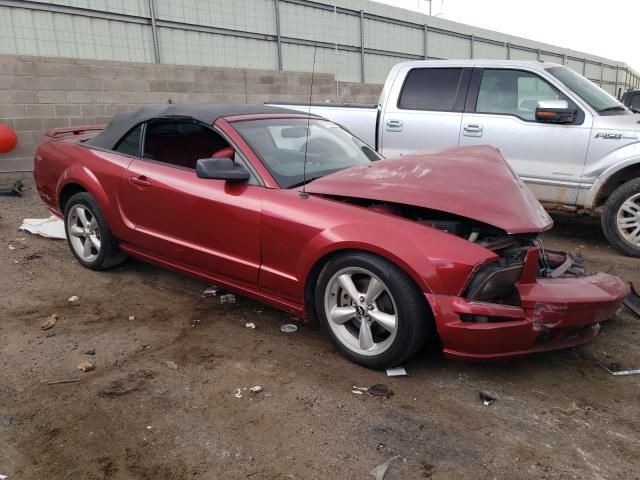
(88, 235)
(621, 218)
(371, 310)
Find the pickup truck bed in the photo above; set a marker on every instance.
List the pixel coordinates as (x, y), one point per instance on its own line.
(359, 118)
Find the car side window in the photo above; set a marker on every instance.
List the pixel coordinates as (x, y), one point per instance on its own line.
(434, 89)
(131, 142)
(635, 101)
(514, 92)
(181, 142)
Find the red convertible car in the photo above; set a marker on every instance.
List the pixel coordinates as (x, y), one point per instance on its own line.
(294, 211)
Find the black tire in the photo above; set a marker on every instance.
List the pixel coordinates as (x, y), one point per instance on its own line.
(610, 218)
(109, 255)
(414, 318)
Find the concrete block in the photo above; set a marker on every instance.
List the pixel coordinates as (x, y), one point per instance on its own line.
(124, 85)
(67, 110)
(91, 84)
(18, 96)
(14, 67)
(11, 110)
(55, 122)
(178, 86)
(11, 122)
(157, 86)
(41, 110)
(28, 124)
(93, 110)
(16, 164)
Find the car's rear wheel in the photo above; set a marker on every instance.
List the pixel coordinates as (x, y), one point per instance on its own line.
(371, 310)
(621, 218)
(88, 235)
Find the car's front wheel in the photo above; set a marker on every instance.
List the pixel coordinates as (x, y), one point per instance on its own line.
(621, 218)
(88, 234)
(371, 310)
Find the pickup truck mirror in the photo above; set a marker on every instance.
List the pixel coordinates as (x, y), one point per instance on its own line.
(555, 111)
(221, 169)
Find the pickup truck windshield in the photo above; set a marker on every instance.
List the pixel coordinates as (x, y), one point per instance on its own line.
(598, 99)
(281, 144)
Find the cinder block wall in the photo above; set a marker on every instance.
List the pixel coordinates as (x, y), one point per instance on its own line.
(39, 93)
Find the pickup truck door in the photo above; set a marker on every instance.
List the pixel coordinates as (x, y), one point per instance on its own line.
(500, 111)
(212, 226)
(428, 110)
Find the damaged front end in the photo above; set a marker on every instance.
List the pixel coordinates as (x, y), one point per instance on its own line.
(529, 300)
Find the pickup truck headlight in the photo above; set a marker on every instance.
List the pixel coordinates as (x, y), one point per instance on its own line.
(494, 281)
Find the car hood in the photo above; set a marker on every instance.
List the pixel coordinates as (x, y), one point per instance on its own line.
(617, 122)
(473, 182)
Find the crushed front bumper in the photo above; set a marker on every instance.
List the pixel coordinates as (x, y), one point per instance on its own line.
(554, 313)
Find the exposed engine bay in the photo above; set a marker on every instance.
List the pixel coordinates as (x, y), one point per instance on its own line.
(496, 281)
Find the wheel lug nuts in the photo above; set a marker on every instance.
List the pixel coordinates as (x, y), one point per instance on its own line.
(361, 299)
(369, 307)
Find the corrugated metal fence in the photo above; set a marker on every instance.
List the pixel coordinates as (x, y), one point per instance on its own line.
(357, 40)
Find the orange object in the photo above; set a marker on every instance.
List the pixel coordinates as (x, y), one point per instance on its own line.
(8, 139)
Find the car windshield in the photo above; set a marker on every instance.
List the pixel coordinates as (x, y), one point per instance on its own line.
(597, 98)
(282, 144)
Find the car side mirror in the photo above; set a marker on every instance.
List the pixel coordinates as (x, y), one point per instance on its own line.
(555, 111)
(221, 169)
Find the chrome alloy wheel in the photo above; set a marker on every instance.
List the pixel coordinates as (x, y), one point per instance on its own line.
(628, 220)
(84, 233)
(361, 311)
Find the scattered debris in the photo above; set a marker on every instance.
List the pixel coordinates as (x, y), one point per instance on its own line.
(50, 322)
(3, 477)
(289, 328)
(632, 301)
(238, 393)
(397, 372)
(228, 298)
(86, 366)
(381, 470)
(14, 190)
(51, 227)
(616, 370)
(132, 317)
(212, 291)
(256, 389)
(11, 247)
(250, 325)
(5, 421)
(90, 352)
(74, 298)
(380, 390)
(58, 382)
(486, 399)
(358, 392)
(171, 365)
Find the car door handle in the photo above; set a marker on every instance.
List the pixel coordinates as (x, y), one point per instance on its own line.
(472, 130)
(141, 181)
(394, 125)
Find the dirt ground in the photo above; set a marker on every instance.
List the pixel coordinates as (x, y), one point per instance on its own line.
(557, 415)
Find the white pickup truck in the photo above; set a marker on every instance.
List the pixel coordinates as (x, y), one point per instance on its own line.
(570, 141)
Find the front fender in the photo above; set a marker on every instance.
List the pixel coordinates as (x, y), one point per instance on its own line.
(437, 261)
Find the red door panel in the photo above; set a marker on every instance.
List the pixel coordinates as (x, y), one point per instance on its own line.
(212, 225)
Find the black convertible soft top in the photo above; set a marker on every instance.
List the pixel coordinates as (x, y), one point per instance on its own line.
(123, 122)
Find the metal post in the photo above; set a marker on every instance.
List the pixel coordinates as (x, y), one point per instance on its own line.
(154, 31)
(564, 59)
(584, 67)
(362, 78)
(601, 73)
(471, 40)
(426, 43)
(507, 46)
(539, 57)
(616, 87)
(277, 7)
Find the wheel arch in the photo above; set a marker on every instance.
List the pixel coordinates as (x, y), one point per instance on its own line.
(313, 274)
(613, 181)
(68, 191)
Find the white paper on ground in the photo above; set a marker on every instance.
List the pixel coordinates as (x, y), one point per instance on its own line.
(51, 227)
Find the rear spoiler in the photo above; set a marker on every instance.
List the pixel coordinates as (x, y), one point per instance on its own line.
(56, 132)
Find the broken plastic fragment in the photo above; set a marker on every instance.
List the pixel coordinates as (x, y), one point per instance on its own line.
(288, 328)
(397, 372)
(486, 399)
(381, 470)
(50, 322)
(256, 389)
(380, 390)
(73, 298)
(228, 298)
(250, 325)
